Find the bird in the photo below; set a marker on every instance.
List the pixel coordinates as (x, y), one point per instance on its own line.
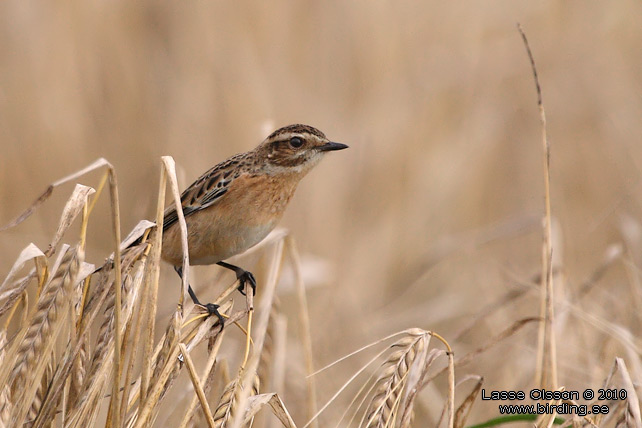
(236, 203)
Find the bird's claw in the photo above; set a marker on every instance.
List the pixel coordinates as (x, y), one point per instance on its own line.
(243, 278)
(212, 309)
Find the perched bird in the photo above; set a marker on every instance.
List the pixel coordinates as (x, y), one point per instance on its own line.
(235, 204)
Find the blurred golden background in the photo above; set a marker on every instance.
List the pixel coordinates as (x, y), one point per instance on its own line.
(430, 219)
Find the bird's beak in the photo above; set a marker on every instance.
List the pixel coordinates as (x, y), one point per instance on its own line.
(327, 147)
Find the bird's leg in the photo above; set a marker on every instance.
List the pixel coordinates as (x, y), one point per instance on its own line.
(242, 275)
(211, 308)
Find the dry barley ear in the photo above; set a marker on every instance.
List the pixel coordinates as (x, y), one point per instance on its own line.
(5, 403)
(227, 406)
(36, 388)
(12, 289)
(42, 388)
(90, 322)
(399, 380)
(621, 397)
(391, 390)
(39, 339)
(390, 384)
(100, 367)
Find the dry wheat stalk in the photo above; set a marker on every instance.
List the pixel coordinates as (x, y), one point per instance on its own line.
(100, 367)
(265, 363)
(11, 290)
(207, 379)
(78, 373)
(166, 358)
(41, 334)
(143, 416)
(392, 380)
(5, 404)
(205, 330)
(104, 338)
(42, 389)
(101, 349)
(10, 293)
(172, 336)
(408, 413)
(168, 372)
(227, 406)
(49, 406)
(80, 362)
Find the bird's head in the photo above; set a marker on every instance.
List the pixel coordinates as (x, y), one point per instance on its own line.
(295, 149)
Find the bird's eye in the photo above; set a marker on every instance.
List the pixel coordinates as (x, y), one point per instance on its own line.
(296, 142)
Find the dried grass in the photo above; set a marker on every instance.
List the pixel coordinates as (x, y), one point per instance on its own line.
(104, 350)
(60, 365)
(88, 322)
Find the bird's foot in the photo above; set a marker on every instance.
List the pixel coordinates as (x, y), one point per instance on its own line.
(212, 309)
(246, 277)
(242, 276)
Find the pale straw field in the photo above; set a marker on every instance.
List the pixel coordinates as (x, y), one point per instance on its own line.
(430, 232)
